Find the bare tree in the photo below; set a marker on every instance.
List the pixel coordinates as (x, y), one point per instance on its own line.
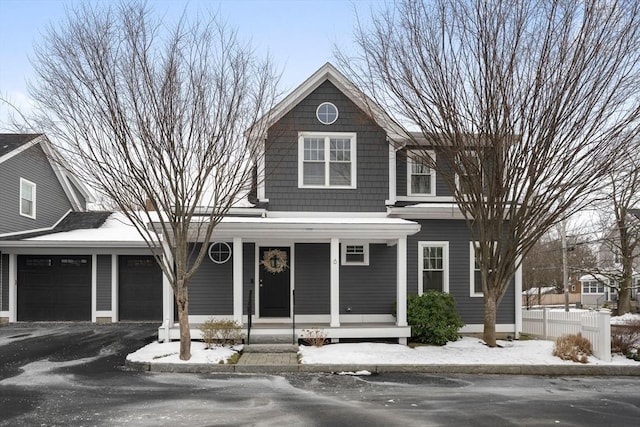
(620, 245)
(153, 115)
(522, 102)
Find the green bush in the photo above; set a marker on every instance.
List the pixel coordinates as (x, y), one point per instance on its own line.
(433, 318)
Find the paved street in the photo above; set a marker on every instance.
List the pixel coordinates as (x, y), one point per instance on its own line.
(72, 375)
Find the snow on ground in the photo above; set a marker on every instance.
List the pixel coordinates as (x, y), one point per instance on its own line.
(462, 352)
(625, 319)
(169, 353)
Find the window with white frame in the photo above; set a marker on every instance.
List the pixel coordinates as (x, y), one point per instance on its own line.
(421, 179)
(327, 113)
(475, 276)
(469, 171)
(433, 266)
(27, 198)
(593, 287)
(355, 254)
(326, 160)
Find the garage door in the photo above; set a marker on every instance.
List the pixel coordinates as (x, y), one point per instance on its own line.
(54, 288)
(140, 288)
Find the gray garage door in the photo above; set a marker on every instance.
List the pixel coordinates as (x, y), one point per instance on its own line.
(139, 289)
(54, 288)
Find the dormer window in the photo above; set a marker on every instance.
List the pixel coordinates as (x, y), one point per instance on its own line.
(327, 113)
(27, 198)
(421, 179)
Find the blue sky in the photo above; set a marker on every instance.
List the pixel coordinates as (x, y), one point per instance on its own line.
(298, 34)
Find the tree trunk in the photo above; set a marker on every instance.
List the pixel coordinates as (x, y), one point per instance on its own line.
(182, 298)
(624, 294)
(490, 311)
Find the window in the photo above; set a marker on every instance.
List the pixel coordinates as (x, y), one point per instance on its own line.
(433, 266)
(327, 113)
(355, 254)
(27, 198)
(475, 277)
(593, 287)
(219, 252)
(327, 160)
(469, 169)
(421, 179)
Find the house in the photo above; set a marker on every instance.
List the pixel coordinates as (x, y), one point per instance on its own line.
(343, 225)
(57, 260)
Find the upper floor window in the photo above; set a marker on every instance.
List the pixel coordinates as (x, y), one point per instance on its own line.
(433, 266)
(327, 113)
(27, 198)
(469, 171)
(475, 279)
(326, 160)
(421, 179)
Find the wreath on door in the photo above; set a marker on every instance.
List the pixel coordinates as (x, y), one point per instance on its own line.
(275, 261)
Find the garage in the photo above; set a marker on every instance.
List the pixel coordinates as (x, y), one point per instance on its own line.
(54, 288)
(139, 289)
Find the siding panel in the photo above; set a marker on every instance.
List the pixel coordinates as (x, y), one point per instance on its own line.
(51, 201)
(4, 282)
(248, 276)
(312, 278)
(211, 288)
(103, 282)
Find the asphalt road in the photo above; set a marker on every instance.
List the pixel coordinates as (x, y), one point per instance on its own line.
(73, 375)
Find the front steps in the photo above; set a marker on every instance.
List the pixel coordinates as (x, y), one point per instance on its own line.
(269, 354)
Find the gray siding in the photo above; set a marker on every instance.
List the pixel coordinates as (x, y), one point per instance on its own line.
(458, 236)
(211, 288)
(248, 276)
(312, 278)
(281, 173)
(81, 198)
(51, 201)
(370, 289)
(401, 175)
(4, 282)
(103, 282)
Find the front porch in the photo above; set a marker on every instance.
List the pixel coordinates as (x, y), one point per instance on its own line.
(282, 332)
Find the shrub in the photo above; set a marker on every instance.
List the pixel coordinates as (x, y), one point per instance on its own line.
(433, 318)
(313, 336)
(221, 332)
(573, 347)
(625, 339)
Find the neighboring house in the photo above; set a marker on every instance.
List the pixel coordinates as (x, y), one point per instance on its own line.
(342, 227)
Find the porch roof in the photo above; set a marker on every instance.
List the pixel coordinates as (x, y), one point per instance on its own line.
(311, 228)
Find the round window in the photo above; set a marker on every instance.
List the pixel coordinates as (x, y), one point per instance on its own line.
(327, 113)
(219, 252)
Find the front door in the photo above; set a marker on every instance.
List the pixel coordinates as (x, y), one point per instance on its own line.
(275, 281)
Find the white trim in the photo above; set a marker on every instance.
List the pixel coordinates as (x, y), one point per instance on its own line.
(425, 198)
(94, 286)
(167, 292)
(427, 211)
(23, 147)
(104, 314)
(335, 282)
(237, 279)
(518, 298)
(58, 250)
(334, 107)
(445, 263)
(401, 283)
(114, 288)
(36, 230)
(334, 214)
(343, 253)
(432, 174)
(13, 287)
(392, 175)
(260, 164)
(5, 315)
(325, 319)
(472, 270)
(476, 328)
(327, 162)
(457, 177)
(33, 186)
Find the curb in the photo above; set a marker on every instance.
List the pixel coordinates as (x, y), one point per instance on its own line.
(543, 370)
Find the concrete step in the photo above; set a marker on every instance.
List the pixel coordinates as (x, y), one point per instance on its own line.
(270, 348)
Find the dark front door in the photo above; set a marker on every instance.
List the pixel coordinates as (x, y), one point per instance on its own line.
(140, 288)
(275, 281)
(54, 287)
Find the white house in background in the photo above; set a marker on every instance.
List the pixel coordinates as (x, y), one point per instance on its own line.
(598, 289)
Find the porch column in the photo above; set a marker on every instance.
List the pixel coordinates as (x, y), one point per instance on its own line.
(167, 295)
(401, 280)
(13, 287)
(335, 282)
(518, 286)
(237, 279)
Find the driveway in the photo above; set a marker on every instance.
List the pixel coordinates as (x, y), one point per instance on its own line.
(72, 375)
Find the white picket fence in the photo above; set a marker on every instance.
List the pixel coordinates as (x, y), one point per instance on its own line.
(593, 325)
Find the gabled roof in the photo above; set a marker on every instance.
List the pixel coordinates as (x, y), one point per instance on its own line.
(330, 73)
(12, 144)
